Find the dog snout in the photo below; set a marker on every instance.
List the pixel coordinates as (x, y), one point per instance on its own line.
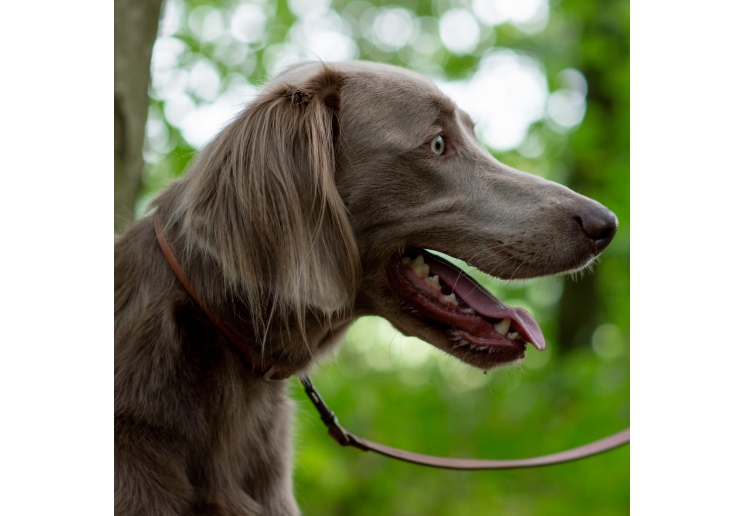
(598, 224)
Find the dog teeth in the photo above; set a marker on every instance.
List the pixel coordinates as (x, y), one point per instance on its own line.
(451, 299)
(503, 326)
(468, 310)
(513, 336)
(434, 282)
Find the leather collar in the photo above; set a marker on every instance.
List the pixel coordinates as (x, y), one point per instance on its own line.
(270, 373)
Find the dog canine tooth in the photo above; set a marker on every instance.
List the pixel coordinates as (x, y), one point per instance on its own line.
(451, 299)
(513, 335)
(503, 326)
(433, 281)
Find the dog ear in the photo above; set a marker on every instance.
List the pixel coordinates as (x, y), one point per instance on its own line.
(264, 197)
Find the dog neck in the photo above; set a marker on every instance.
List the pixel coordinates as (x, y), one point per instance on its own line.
(317, 335)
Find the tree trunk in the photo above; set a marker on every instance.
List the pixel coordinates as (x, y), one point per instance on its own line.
(135, 29)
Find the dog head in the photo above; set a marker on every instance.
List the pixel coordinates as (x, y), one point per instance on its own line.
(414, 176)
(336, 181)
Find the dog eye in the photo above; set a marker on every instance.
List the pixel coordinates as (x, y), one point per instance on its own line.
(437, 145)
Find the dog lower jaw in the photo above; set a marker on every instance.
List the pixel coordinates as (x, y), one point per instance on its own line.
(480, 355)
(455, 342)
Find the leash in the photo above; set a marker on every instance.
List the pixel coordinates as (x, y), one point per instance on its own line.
(346, 438)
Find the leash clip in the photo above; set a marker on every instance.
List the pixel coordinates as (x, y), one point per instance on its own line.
(326, 414)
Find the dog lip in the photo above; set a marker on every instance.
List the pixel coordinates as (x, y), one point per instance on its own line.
(471, 293)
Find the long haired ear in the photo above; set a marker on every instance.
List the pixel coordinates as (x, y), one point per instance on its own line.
(262, 202)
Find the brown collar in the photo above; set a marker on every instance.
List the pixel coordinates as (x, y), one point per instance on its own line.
(254, 359)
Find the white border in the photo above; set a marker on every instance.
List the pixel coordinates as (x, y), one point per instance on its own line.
(56, 364)
(686, 199)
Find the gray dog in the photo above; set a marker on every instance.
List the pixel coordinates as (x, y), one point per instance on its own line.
(314, 207)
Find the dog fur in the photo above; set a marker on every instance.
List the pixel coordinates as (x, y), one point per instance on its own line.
(285, 224)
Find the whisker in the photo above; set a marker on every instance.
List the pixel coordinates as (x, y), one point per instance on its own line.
(515, 270)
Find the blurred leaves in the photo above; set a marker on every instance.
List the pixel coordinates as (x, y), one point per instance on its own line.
(211, 57)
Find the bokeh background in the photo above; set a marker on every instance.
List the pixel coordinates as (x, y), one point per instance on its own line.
(547, 83)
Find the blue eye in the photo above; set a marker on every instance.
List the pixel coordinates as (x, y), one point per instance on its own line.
(437, 145)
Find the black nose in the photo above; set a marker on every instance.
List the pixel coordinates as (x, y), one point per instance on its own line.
(598, 224)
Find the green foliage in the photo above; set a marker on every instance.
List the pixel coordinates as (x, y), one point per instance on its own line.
(382, 390)
(402, 392)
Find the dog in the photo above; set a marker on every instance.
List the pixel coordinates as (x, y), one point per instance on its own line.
(315, 206)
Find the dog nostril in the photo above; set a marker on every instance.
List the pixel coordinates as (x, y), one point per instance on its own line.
(599, 224)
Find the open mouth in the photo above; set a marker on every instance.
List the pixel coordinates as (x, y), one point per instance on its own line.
(480, 328)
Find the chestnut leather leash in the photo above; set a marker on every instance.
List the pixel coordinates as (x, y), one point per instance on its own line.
(346, 438)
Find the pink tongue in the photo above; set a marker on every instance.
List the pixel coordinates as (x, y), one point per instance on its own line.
(482, 301)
